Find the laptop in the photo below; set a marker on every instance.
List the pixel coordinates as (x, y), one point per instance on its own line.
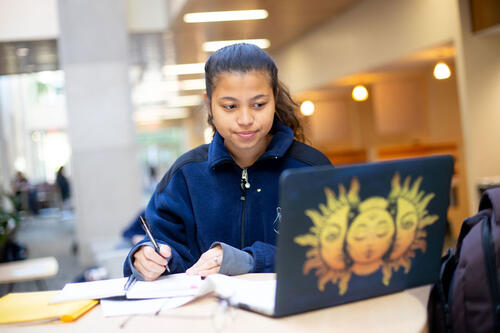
(355, 232)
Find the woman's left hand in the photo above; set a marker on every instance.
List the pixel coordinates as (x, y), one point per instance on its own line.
(209, 262)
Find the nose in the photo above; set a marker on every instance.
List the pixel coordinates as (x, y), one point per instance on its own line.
(245, 117)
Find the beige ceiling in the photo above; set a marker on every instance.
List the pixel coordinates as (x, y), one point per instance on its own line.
(414, 64)
(287, 20)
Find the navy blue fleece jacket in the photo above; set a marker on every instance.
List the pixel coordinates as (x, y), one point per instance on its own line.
(203, 199)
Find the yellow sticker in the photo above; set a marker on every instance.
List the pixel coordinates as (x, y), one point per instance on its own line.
(350, 236)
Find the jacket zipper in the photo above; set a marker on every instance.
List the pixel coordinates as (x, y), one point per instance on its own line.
(245, 185)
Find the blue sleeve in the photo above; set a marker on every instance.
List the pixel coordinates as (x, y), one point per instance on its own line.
(263, 257)
(170, 215)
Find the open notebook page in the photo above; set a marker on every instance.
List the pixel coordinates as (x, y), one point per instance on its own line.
(173, 285)
(91, 290)
(250, 294)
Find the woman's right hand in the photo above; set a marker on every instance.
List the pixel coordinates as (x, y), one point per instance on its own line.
(149, 263)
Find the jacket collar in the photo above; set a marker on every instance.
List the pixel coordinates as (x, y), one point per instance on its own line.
(281, 141)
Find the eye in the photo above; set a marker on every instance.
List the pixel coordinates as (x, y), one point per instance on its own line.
(360, 232)
(332, 233)
(258, 105)
(229, 106)
(382, 228)
(408, 221)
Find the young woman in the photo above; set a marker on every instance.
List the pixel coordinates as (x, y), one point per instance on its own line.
(216, 209)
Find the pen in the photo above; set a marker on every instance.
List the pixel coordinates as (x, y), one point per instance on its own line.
(147, 229)
(131, 280)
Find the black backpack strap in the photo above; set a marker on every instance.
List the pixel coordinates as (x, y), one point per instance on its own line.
(439, 303)
(491, 270)
(491, 200)
(467, 225)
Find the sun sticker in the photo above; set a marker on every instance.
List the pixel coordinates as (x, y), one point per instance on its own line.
(350, 236)
(409, 205)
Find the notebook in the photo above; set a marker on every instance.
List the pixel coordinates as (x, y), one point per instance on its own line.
(355, 232)
(173, 285)
(34, 306)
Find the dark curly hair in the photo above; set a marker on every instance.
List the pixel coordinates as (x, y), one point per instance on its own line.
(243, 57)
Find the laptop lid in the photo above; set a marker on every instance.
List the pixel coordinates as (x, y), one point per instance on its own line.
(360, 231)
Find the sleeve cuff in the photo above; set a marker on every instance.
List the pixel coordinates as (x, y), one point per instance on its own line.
(135, 272)
(234, 261)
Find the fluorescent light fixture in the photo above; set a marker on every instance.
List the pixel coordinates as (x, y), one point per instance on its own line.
(154, 114)
(196, 84)
(230, 15)
(215, 45)
(198, 68)
(182, 101)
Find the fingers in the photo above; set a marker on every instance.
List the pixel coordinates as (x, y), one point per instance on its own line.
(151, 254)
(149, 263)
(205, 273)
(209, 262)
(165, 251)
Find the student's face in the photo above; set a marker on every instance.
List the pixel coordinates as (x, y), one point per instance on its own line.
(243, 107)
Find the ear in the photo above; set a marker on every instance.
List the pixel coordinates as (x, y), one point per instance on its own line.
(206, 101)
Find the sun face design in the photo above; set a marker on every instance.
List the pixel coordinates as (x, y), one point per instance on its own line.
(370, 236)
(353, 236)
(327, 238)
(412, 217)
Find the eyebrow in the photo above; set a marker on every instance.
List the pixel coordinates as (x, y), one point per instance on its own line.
(235, 99)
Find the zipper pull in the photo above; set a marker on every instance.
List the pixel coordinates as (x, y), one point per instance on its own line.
(245, 185)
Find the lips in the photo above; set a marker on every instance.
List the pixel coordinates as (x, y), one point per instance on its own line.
(246, 134)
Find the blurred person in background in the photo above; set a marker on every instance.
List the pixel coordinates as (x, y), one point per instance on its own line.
(25, 194)
(64, 187)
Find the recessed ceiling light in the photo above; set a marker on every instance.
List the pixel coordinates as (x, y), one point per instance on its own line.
(215, 45)
(307, 108)
(230, 15)
(442, 71)
(360, 93)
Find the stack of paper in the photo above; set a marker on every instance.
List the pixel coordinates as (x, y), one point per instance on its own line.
(34, 306)
(142, 297)
(168, 292)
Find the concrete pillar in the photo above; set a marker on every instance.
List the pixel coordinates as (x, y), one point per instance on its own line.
(93, 48)
(4, 160)
(478, 73)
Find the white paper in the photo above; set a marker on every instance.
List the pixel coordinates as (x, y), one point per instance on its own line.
(255, 295)
(173, 285)
(91, 290)
(137, 307)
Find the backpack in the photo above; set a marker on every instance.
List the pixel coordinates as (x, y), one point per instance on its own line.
(466, 297)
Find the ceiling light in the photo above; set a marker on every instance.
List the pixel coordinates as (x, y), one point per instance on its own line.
(182, 101)
(307, 108)
(198, 68)
(230, 15)
(442, 71)
(197, 84)
(154, 114)
(215, 45)
(22, 51)
(360, 93)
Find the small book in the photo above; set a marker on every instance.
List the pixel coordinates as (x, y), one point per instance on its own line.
(34, 306)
